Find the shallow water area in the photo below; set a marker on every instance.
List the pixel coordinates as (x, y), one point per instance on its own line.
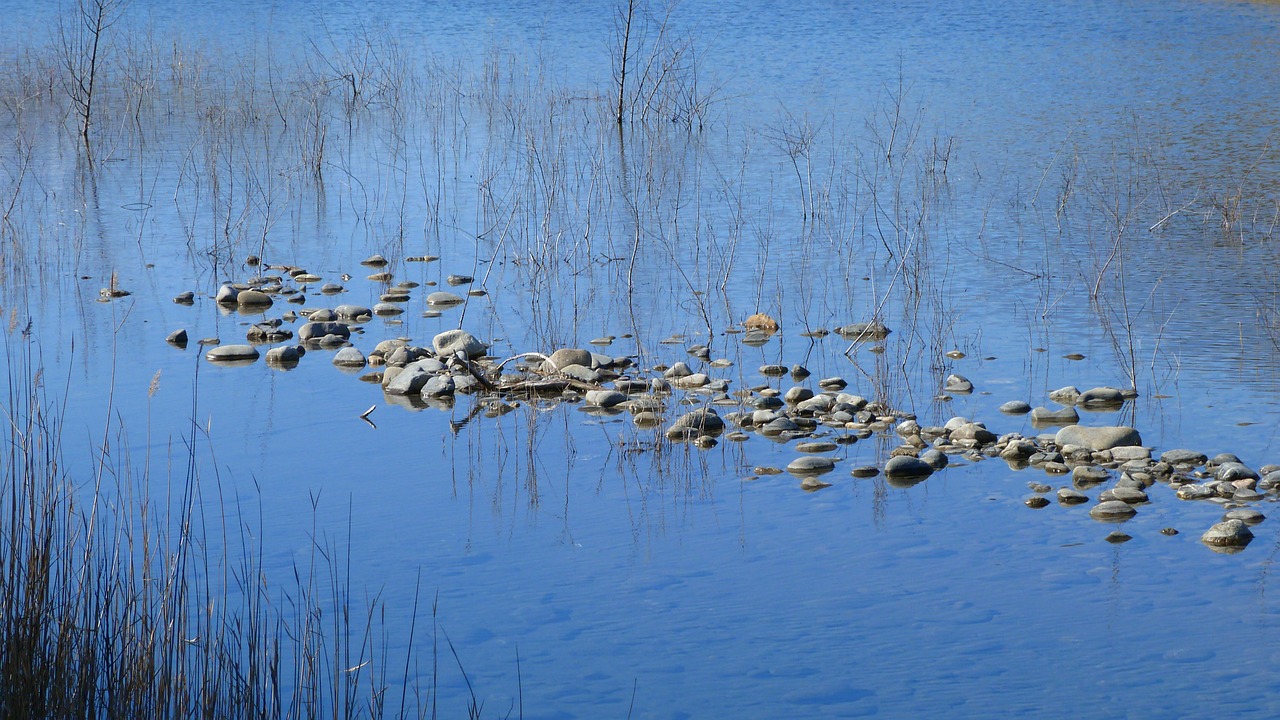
(1018, 192)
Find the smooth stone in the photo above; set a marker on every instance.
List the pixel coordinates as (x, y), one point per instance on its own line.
(253, 298)
(318, 330)
(817, 446)
(320, 315)
(1068, 496)
(285, 355)
(797, 394)
(227, 295)
(935, 458)
(439, 386)
(374, 260)
(1100, 396)
(696, 380)
(185, 298)
(459, 279)
(349, 357)
(451, 342)
(441, 298)
(1066, 415)
(812, 484)
(811, 465)
(331, 288)
(1065, 395)
(564, 357)
(833, 383)
(907, 466)
(1097, 438)
(1228, 533)
(1130, 495)
(865, 471)
(228, 353)
(857, 332)
(1112, 510)
(1183, 457)
(384, 309)
(581, 374)
(352, 312)
(177, 337)
(1249, 516)
(704, 420)
(408, 380)
(1016, 407)
(1126, 453)
(1232, 471)
(604, 398)
(1036, 502)
(1115, 537)
(647, 419)
(958, 384)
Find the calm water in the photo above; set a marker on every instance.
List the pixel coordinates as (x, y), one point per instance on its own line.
(1028, 139)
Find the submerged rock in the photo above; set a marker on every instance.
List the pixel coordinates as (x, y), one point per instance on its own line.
(1016, 407)
(177, 338)
(703, 420)
(231, 353)
(811, 465)
(958, 384)
(905, 466)
(349, 357)
(1112, 511)
(1097, 438)
(1064, 416)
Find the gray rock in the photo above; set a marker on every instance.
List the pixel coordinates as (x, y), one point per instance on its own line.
(833, 383)
(315, 331)
(678, 370)
(958, 384)
(564, 357)
(811, 465)
(973, 434)
(385, 309)
(409, 380)
(352, 312)
(1070, 496)
(865, 471)
(1183, 457)
(605, 398)
(321, 315)
(231, 353)
(439, 386)
(285, 355)
(696, 380)
(581, 373)
(858, 332)
(1112, 510)
(817, 446)
(178, 338)
(1063, 416)
(444, 299)
(797, 395)
(1232, 471)
(1065, 395)
(704, 421)
(227, 295)
(450, 342)
(1249, 516)
(935, 458)
(1100, 397)
(185, 298)
(1089, 475)
(1015, 407)
(1097, 438)
(349, 357)
(1228, 533)
(905, 466)
(254, 299)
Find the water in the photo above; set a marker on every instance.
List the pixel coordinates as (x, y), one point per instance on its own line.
(632, 576)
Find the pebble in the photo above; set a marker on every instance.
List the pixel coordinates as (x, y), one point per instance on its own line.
(177, 338)
(232, 353)
(905, 466)
(349, 357)
(1249, 516)
(958, 384)
(1097, 438)
(1066, 415)
(865, 471)
(811, 465)
(186, 298)
(444, 299)
(1228, 533)
(1015, 407)
(1036, 502)
(1112, 511)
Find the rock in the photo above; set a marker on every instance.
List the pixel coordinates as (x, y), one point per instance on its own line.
(905, 466)
(227, 295)
(833, 383)
(374, 260)
(1015, 407)
(1036, 502)
(1249, 516)
(865, 471)
(1086, 475)
(1228, 533)
(1112, 511)
(705, 421)
(1232, 471)
(581, 373)
(678, 370)
(565, 357)
(605, 398)
(285, 355)
(443, 299)
(797, 395)
(817, 446)
(439, 386)
(1064, 416)
(349, 357)
(185, 298)
(812, 484)
(451, 342)
(958, 384)
(1183, 457)
(1100, 397)
(1125, 453)
(811, 465)
(1065, 396)
(1097, 438)
(253, 299)
(760, 321)
(696, 380)
(315, 331)
(320, 315)
(456, 280)
(231, 353)
(1130, 495)
(1115, 537)
(409, 380)
(1069, 496)
(859, 332)
(177, 338)
(352, 312)
(972, 434)
(385, 309)
(935, 458)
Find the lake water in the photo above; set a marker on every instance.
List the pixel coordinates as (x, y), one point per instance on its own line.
(1016, 181)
